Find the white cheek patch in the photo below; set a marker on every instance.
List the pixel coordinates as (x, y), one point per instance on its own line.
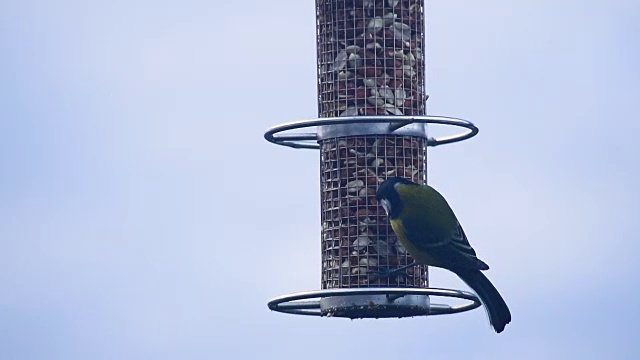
(386, 205)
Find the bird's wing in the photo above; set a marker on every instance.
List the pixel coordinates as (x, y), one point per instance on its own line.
(461, 243)
(451, 251)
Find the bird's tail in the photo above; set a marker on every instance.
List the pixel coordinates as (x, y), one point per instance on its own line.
(499, 314)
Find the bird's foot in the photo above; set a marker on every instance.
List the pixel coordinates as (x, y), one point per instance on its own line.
(385, 273)
(380, 273)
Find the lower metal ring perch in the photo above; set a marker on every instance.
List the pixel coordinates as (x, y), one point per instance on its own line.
(372, 302)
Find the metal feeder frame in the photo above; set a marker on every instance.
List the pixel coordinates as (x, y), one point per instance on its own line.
(371, 302)
(371, 126)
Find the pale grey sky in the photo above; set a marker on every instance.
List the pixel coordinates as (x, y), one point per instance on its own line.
(142, 215)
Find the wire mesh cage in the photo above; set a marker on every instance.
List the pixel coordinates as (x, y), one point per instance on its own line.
(357, 240)
(370, 57)
(369, 63)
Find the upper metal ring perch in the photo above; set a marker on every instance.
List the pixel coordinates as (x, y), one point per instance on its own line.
(395, 125)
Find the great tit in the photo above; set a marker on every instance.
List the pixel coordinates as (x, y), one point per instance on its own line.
(426, 226)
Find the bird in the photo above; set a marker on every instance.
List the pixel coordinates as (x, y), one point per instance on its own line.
(427, 227)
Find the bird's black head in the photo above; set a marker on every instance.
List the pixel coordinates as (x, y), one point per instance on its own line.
(387, 195)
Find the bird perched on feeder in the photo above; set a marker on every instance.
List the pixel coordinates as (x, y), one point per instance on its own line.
(426, 226)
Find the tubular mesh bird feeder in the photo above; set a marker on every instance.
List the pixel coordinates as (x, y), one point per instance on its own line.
(372, 125)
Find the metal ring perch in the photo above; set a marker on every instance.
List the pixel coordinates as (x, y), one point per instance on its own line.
(395, 123)
(300, 303)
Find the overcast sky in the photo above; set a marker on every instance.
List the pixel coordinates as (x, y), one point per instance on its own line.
(143, 216)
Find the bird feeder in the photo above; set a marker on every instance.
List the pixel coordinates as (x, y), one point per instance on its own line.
(371, 124)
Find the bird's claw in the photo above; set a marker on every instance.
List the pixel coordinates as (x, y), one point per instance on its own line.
(381, 274)
(384, 273)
